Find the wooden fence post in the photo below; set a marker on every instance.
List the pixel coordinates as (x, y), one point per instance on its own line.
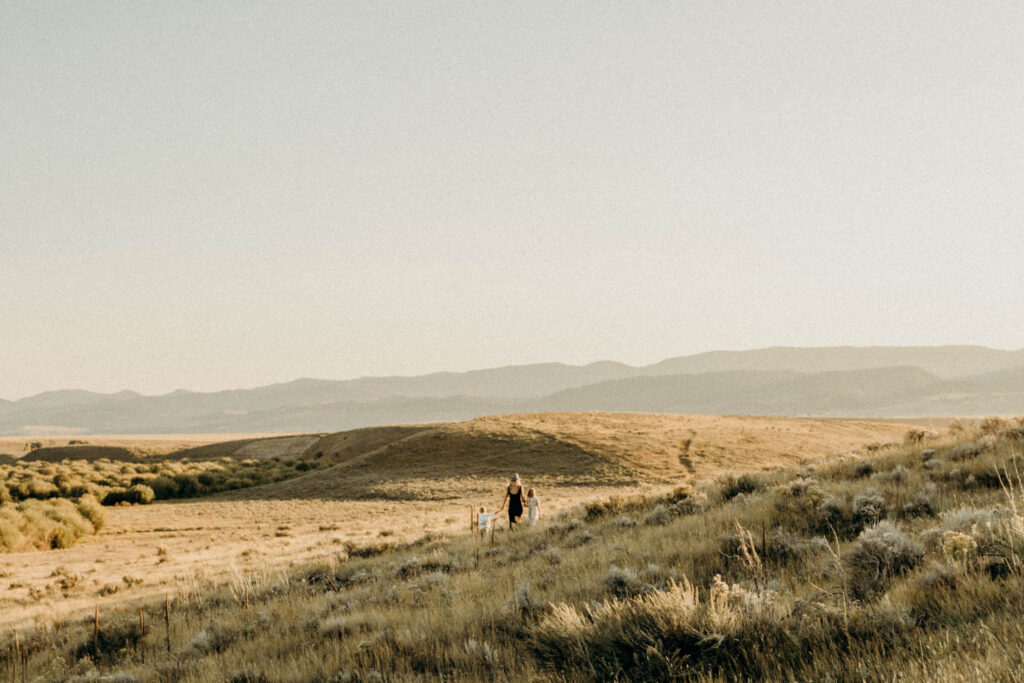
(96, 633)
(167, 618)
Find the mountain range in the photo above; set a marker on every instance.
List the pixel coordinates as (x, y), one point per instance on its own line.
(826, 381)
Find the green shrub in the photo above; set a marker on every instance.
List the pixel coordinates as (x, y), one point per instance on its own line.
(164, 487)
(188, 485)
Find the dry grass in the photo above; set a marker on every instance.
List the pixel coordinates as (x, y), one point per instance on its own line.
(759, 585)
(404, 482)
(441, 462)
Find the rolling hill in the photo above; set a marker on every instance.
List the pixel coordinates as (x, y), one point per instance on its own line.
(449, 461)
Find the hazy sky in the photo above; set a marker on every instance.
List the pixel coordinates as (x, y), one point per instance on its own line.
(213, 195)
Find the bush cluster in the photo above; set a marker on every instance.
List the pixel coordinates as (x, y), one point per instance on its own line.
(58, 523)
(119, 482)
(51, 505)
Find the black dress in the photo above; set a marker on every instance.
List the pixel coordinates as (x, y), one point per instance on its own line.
(515, 505)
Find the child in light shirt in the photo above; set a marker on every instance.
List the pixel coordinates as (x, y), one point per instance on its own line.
(484, 520)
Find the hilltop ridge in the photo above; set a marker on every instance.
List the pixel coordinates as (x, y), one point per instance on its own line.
(834, 381)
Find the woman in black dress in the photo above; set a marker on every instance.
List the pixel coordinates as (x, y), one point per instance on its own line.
(514, 496)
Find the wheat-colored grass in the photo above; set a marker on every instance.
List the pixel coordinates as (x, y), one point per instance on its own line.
(396, 483)
(905, 563)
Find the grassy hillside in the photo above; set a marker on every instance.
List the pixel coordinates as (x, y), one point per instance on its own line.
(437, 462)
(904, 565)
(383, 485)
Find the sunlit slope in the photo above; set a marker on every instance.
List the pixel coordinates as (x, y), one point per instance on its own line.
(573, 449)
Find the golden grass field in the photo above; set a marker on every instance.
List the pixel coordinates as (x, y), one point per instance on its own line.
(395, 484)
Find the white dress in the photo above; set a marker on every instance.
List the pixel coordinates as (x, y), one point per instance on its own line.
(532, 510)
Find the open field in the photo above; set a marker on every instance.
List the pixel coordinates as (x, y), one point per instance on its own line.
(394, 484)
(847, 568)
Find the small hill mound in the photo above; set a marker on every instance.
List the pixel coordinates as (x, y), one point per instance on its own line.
(569, 449)
(90, 453)
(287, 447)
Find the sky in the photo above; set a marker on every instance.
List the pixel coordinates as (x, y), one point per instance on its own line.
(212, 195)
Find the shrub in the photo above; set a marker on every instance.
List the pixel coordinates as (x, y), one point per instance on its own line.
(552, 555)
(213, 638)
(141, 494)
(659, 516)
(783, 547)
(965, 451)
(731, 486)
(90, 508)
(897, 475)
(187, 485)
(523, 604)
(622, 582)
(833, 514)
(164, 487)
(879, 554)
(868, 508)
(864, 468)
(691, 505)
(597, 509)
(579, 539)
(417, 565)
(797, 502)
(938, 575)
(62, 537)
(992, 425)
(11, 538)
(138, 494)
(923, 503)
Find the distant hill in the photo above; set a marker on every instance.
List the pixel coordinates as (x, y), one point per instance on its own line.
(838, 381)
(855, 392)
(943, 361)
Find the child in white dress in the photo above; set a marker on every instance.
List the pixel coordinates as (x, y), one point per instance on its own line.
(532, 508)
(484, 520)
